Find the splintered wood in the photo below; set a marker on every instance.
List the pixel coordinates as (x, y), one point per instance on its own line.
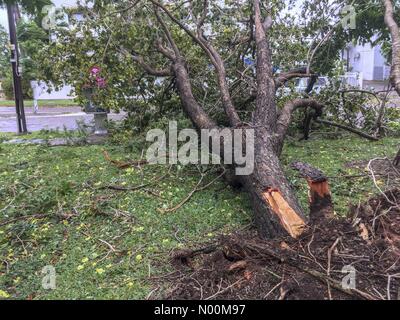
(289, 219)
(320, 199)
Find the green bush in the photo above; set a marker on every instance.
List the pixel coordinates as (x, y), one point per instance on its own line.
(9, 89)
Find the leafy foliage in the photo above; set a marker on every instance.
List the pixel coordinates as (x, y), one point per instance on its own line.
(4, 53)
(33, 7)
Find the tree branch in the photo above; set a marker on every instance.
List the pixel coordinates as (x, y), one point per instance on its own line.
(149, 69)
(285, 118)
(167, 33)
(353, 130)
(215, 58)
(282, 78)
(167, 52)
(265, 113)
(194, 110)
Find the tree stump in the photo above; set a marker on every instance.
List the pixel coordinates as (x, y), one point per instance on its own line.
(320, 198)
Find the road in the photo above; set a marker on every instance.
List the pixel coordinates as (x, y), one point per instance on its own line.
(48, 118)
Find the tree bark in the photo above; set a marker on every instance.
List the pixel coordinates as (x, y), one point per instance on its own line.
(276, 209)
(394, 32)
(320, 198)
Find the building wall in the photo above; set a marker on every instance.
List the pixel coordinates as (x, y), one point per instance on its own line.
(368, 60)
(361, 59)
(382, 69)
(40, 92)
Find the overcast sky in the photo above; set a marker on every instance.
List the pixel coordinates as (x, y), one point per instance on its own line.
(65, 3)
(58, 3)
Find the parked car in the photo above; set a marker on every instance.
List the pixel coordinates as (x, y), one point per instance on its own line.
(348, 80)
(301, 84)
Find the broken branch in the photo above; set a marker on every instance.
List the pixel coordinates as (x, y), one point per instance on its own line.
(320, 199)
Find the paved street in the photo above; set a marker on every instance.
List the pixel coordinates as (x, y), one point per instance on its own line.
(48, 118)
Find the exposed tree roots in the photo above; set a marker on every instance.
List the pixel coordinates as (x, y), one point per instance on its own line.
(318, 265)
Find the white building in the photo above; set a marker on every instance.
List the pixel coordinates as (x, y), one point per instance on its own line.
(367, 60)
(41, 91)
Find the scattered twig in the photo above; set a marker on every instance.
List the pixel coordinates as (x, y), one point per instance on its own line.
(197, 188)
(141, 186)
(328, 270)
(124, 165)
(33, 216)
(331, 249)
(225, 289)
(373, 174)
(273, 289)
(336, 285)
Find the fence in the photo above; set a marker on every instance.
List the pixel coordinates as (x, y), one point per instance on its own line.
(352, 79)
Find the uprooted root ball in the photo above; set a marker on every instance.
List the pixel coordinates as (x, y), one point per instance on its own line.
(355, 258)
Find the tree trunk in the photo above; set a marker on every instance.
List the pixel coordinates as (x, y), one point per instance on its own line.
(394, 32)
(276, 209)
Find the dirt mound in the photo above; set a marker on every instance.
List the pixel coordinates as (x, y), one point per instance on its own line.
(355, 258)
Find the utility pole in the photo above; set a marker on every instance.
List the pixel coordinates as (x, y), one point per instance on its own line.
(18, 94)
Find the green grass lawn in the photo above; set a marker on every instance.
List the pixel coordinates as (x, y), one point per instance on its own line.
(107, 244)
(42, 103)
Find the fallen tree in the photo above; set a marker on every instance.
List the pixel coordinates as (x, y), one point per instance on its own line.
(196, 45)
(276, 208)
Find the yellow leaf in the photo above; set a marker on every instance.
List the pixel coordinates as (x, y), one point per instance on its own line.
(100, 271)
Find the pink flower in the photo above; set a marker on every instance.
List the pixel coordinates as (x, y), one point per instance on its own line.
(101, 82)
(95, 70)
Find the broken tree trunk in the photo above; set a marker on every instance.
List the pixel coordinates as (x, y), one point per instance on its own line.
(320, 198)
(276, 209)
